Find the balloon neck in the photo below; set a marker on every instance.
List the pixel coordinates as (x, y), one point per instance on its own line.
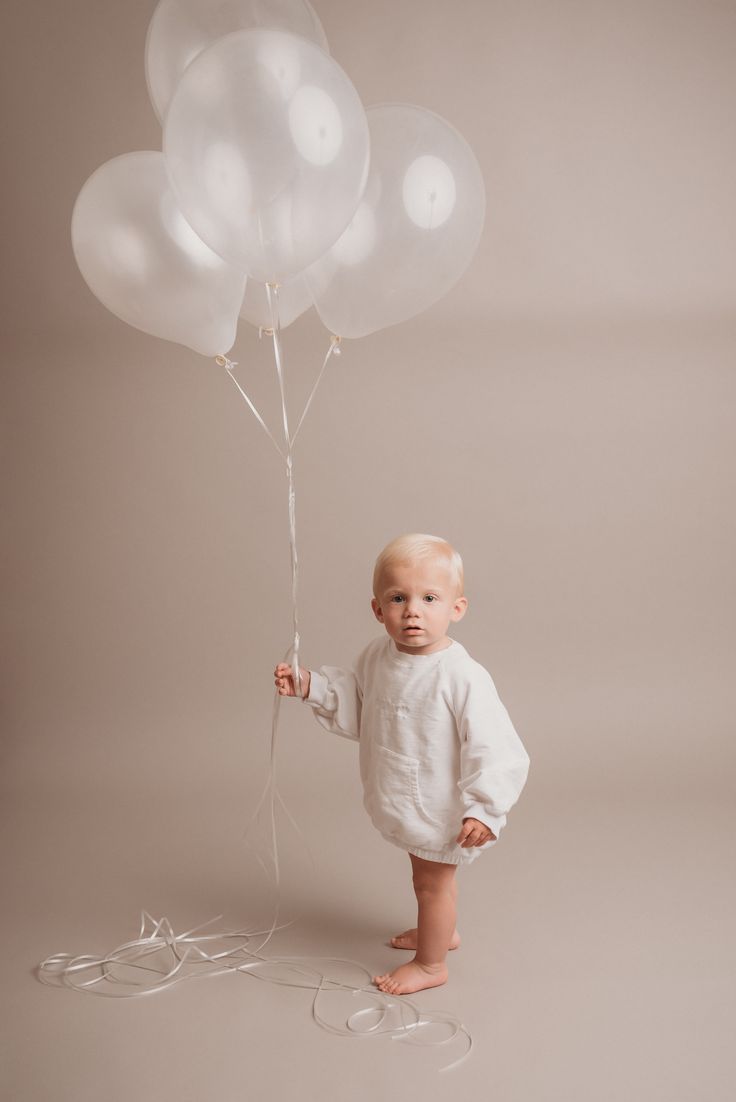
(223, 361)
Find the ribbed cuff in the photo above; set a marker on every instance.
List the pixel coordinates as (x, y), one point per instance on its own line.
(317, 689)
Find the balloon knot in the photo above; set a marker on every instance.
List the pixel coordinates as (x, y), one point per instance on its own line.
(223, 361)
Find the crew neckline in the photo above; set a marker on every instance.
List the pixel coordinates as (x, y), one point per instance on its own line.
(403, 659)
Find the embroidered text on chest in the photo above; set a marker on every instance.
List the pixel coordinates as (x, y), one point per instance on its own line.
(396, 708)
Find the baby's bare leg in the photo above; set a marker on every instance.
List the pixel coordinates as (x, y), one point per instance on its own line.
(436, 892)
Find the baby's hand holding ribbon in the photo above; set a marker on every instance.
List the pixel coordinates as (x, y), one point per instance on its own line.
(284, 680)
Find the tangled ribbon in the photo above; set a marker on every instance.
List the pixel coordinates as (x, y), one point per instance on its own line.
(187, 959)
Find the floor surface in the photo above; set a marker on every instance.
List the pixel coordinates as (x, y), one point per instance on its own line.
(597, 960)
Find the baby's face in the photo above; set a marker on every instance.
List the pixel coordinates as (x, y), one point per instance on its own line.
(416, 602)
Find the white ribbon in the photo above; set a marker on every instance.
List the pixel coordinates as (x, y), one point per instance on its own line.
(188, 960)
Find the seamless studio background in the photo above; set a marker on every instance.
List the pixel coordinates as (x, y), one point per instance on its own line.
(564, 416)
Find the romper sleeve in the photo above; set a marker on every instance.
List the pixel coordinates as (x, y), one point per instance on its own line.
(493, 762)
(336, 699)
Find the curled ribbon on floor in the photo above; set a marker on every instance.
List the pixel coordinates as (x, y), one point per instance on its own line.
(159, 958)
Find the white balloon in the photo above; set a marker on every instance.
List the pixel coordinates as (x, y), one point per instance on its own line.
(266, 144)
(180, 29)
(145, 263)
(415, 231)
(292, 299)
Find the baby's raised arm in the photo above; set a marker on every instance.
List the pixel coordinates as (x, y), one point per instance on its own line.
(284, 680)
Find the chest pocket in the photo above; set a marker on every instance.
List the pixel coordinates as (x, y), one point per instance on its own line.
(393, 797)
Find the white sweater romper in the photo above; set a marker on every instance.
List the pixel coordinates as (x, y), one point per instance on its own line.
(436, 744)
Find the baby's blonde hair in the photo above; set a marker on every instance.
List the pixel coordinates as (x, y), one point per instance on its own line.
(418, 545)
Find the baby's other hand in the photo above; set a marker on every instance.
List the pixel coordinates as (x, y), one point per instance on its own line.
(474, 833)
(284, 680)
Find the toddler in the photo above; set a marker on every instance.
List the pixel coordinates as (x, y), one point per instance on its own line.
(440, 761)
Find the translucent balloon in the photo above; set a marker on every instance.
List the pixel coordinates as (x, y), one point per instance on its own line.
(415, 231)
(293, 298)
(145, 263)
(181, 29)
(266, 144)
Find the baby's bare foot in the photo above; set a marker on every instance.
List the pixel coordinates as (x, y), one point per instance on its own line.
(408, 940)
(411, 977)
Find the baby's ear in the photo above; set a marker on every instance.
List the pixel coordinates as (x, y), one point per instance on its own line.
(377, 610)
(459, 608)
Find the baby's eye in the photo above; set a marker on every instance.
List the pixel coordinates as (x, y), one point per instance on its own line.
(430, 597)
(397, 597)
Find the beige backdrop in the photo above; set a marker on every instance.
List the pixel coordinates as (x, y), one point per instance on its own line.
(564, 416)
